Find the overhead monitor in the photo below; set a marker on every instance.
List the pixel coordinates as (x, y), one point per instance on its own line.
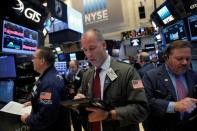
(158, 37)
(135, 41)
(165, 15)
(174, 32)
(17, 39)
(149, 47)
(192, 22)
(73, 56)
(57, 25)
(75, 20)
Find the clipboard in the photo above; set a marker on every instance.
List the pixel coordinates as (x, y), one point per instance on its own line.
(86, 102)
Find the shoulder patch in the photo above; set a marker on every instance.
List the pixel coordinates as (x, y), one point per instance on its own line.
(137, 84)
(45, 95)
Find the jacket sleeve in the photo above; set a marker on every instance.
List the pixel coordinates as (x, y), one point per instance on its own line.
(158, 101)
(137, 108)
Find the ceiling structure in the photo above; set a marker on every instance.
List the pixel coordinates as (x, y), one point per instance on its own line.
(129, 14)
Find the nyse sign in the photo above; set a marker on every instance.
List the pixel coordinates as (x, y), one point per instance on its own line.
(97, 16)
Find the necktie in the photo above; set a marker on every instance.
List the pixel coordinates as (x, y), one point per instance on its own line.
(96, 94)
(181, 93)
(181, 90)
(97, 85)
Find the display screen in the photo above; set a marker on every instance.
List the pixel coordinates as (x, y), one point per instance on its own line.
(174, 32)
(61, 67)
(165, 15)
(149, 47)
(6, 91)
(57, 25)
(75, 20)
(73, 56)
(7, 67)
(18, 39)
(158, 37)
(194, 65)
(192, 21)
(61, 57)
(135, 42)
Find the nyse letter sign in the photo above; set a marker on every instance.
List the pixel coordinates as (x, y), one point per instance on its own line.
(96, 17)
(95, 11)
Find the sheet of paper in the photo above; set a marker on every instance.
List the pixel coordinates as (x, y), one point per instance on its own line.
(16, 108)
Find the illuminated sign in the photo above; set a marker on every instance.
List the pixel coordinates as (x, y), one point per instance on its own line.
(95, 11)
(75, 20)
(193, 6)
(165, 15)
(28, 12)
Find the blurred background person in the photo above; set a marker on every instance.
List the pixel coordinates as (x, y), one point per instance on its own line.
(74, 79)
(145, 63)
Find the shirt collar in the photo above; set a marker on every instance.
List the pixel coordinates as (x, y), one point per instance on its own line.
(106, 64)
(171, 73)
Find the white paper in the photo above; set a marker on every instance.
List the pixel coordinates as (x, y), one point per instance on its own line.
(16, 108)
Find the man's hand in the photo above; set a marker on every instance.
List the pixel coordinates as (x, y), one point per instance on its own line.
(27, 104)
(24, 118)
(96, 114)
(79, 96)
(185, 105)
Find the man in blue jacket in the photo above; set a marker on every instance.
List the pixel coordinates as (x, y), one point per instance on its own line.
(171, 91)
(46, 114)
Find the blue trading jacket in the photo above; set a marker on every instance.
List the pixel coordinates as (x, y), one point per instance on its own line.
(45, 98)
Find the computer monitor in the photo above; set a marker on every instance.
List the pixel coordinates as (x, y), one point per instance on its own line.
(165, 15)
(192, 22)
(174, 32)
(6, 91)
(73, 56)
(7, 67)
(61, 67)
(17, 39)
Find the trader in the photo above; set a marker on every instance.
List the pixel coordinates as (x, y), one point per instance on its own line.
(46, 114)
(171, 91)
(74, 79)
(117, 84)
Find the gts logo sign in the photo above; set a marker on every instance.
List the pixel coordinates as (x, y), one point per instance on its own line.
(28, 12)
(193, 6)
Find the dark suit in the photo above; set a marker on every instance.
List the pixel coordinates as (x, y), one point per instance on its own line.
(160, 91)
(145, 68)
(73, 86)
(74, 82)
(130, 103)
